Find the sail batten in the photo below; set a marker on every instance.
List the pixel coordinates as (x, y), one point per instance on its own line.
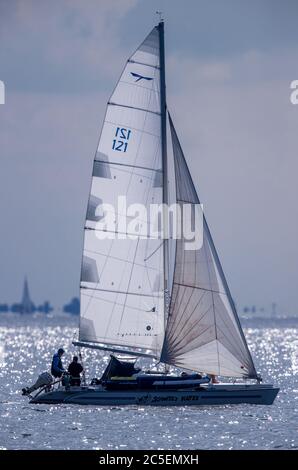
(142, 63)
(203, 331)
(135, 108)
(116, 291)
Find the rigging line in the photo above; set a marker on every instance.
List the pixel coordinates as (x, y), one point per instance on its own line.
(117, 303)
(117, 291)
(121, 259)
(201, 288)
(133, 107)
(133, 166)
(146, 270)
(156, 249)
(155, 296)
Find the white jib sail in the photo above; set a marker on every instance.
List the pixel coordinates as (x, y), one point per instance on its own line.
(203, 331)
(122, 282)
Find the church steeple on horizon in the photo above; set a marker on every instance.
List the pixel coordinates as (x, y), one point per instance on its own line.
(27, 304)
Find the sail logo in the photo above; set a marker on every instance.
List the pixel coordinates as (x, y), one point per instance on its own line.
(121, 138)
(139, 77)
(183, 221)
(2, 92)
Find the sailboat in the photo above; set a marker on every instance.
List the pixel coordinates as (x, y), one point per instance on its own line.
(146, 297)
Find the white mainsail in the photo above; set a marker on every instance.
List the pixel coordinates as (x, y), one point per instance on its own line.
(203, 331)
(122, 280)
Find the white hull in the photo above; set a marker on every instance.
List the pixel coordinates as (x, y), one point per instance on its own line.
(219, 394)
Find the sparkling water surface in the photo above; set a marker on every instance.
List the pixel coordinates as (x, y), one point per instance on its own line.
(26, 348)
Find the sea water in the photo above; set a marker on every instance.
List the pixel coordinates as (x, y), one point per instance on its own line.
(27, 345)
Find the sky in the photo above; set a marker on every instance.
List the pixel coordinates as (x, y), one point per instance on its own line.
(229, 65)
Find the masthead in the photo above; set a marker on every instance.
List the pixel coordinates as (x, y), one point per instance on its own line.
(160, 15)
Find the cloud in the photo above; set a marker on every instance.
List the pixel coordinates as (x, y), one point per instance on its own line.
(54, 46)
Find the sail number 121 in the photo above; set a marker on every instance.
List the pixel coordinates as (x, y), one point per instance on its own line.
(122, 135)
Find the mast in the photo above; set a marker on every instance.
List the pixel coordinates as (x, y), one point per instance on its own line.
(163, 108)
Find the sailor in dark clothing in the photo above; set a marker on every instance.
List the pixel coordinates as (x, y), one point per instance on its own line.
(75, 369)
(57, 368)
